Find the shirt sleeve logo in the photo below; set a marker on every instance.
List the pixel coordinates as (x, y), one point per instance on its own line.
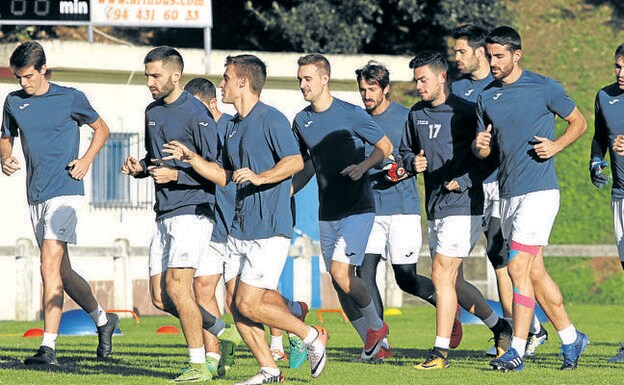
(612, 101)
(498, 94)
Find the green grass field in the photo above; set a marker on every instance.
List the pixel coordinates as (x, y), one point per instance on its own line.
(143, 357)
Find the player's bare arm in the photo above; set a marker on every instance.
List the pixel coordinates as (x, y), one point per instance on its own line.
(78, 168)
(383, 149)
(577, 125)
(10, 164)
(209, 170)
(285, 168)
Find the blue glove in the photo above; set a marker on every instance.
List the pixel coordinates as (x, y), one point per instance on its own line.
(595, 172)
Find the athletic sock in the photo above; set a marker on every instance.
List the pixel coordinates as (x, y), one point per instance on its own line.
(442, 343)
(372, 318)
(360, 327)
(197, 355)
(440, 352)
(218, 328)
(567, 335)
(311, 337)
(492, 321)
(99, 316)
(519, 344)
(270, 370)
(214, 355)
(536, 326)
(276, 343)
(49, 340)
(294, 307)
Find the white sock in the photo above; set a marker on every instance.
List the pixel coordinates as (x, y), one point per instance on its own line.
(372, 318)
(535, 325)
(491, 320)
(197, 355)
(360, 327)
(442, 343)
(99, 316)
(519, 344)
(271, 371)
(276, 343)
(214, 355)
(294, 307)
(567, 335)
(49, 340)
(312, 334)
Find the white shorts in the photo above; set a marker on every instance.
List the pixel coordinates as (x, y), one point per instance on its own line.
(618, 225)
(345, 240)
(528, 219)
(397, 237)
(56, 218)
(212, 263)
(454, 236)
(259, 262)
(182, 241)
(491, 203)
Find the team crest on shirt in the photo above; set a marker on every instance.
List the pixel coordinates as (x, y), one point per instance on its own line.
(613, 101)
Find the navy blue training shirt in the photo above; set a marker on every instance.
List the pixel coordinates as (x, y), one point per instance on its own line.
(259, 141)
(400, 197)
(517, 112)
(335, 139)
(188, 121)
(609, 123)
(225, 196)
(445, 133)
(48, 125)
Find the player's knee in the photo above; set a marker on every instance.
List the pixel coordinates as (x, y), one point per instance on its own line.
(405, 275)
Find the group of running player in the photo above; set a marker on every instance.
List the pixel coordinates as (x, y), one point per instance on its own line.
(484, 145)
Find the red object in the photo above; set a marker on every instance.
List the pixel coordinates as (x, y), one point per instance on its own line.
(34, 332)
(458, 332)
(168, 329)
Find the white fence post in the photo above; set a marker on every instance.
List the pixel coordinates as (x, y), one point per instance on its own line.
(122, 276)
(28, 281)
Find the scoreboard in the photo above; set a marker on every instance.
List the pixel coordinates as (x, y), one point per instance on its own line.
(48, 11)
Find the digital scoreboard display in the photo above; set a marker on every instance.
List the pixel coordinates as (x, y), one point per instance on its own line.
(45, 10)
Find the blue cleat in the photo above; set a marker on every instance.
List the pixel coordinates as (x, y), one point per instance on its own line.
(508, 362)
(573, 351)
(619, 357)
(298, 352)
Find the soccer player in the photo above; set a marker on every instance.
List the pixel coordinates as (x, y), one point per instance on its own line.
(260, 156)
(437, 142)
(48, 116)
(332, 133)
(609, 135)
(472, 64)
(395, 232)
(184, 203)
(516, 116)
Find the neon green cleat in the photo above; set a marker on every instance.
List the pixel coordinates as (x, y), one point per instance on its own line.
(195, 373)
(213, 366)
(228, 341)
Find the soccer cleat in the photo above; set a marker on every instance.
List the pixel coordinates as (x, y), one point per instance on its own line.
(502, 340)
(573, 351)
(278, 355)
(105, 336)
(374, 339)
(435, 361)
(534, 341)
(44, 356)
(619, 356)
(304, 310)
(213, 366)
(195, 373)
(458, 333)
(228, 341)
(298, 352)
(508, 362)
(262, 377)
(317, 353)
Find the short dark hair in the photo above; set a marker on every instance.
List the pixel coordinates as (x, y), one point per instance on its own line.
(251, 67)
(165, 54)
(505, 36)
(435, 59)
(318, 60)
(201, 87)
(28, 54)
(474, 34)
(374, 72)
(619, 51)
